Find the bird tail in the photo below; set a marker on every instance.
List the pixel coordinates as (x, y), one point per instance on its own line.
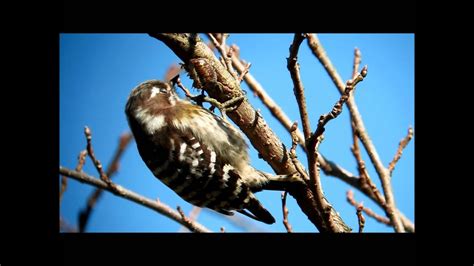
(258, 212)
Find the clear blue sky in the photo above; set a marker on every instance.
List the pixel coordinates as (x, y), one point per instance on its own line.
(97, 72)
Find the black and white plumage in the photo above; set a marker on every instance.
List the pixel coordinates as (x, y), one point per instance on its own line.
(198, 155)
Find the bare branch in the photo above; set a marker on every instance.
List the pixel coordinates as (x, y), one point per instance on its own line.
(80, 164)
(178, 82)
(365, 179)
(293, 157)
(222, 47)
(193, 214)
(90, 151)
(382, 172)
(330, 168)
(112, 168)
(322, 205)
(65, 227)
(298, 88)
(265, 141)
(360, 217)
(172, 72)
(244, 72)
(285, 212)
(63, 188)
(187, 221)
(337, 109)
(81, 160)
(368, 211)
(258, 90)
(403, 143)
(357, 60)
(114, 165)
(130, 195)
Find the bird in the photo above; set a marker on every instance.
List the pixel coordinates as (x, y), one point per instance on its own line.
(200, 156)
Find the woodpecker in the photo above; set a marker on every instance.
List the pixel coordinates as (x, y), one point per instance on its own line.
(200, 156)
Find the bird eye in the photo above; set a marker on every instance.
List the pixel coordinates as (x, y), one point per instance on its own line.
(163, 90)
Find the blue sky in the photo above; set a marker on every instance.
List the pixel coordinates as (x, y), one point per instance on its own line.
(98, 71)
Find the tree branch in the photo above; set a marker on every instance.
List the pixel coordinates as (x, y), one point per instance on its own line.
(368, 211)
(322, 204)
(383, 172)
(90, 152)
(112, 168)
(130, 195)
(193, 214)
(330, 168)
(222, 47)
(403, 143)
(285, 212)
(265, 141)
(360, 217)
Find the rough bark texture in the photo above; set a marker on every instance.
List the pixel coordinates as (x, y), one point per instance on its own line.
(262, 137)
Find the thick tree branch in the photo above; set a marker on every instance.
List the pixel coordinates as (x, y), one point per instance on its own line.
(130, 195)
(383, 172)
(265, 141)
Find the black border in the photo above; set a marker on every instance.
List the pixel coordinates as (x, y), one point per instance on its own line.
(41, 221)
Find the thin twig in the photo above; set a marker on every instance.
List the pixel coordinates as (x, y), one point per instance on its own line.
(267, 100)
(403, 143)
(363, 173)
(337, 109)
(314, 178)
(112, 168)
(63, 188)
(285, 212)
(225, 107)
(81, 160)
(178, 82)
(316, 138)
(193, 214)
(382, 172)
(222, 47)
(187, 222)
(294, 68)
(172, 71)
(293, 157)
(368, 211)
(80, 165)
(360, 217)
(357, 60)
(244, 72)
(130, 195)
(365, 184)
(65, 227)
(90, 151)
(330, 168)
